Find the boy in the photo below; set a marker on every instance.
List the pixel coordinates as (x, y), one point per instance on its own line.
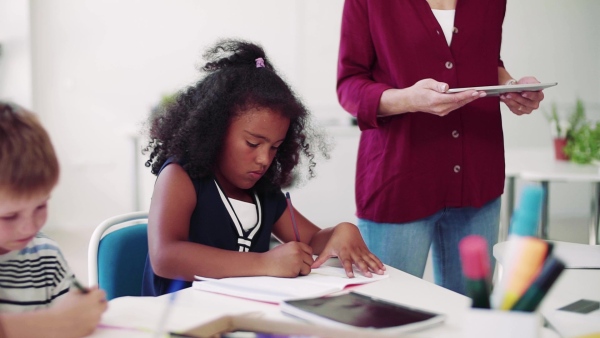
(34, 277)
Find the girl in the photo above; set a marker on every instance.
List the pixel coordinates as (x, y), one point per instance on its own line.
(222, 151)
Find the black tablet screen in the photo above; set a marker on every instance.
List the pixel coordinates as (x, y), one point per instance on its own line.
(361, 311)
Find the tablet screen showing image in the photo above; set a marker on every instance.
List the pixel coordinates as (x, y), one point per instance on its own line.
(361, 311)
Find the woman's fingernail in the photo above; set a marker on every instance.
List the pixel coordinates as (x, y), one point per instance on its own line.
(483, 94)
(508, 96)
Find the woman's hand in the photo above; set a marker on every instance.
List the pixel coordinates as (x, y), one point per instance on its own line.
(288, 260)
(427, 96)
(524, 102)
(347, 244)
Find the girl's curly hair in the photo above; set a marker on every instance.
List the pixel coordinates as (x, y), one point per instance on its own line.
(192, 127)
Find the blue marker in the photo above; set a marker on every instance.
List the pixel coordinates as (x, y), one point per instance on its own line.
(524, 224)
(175, 286)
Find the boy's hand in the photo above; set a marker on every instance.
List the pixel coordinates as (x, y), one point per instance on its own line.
(347, 244)
(289, 260)
(78, 314)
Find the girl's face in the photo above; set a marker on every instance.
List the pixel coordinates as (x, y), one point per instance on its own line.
(251, 142)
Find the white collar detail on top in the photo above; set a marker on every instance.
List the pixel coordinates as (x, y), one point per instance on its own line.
(244, 239)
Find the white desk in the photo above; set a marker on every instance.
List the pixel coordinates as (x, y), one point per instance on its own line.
(193, 307)
(539, 165)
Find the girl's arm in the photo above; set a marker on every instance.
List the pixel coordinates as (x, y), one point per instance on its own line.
(343, 240)
(173, 256)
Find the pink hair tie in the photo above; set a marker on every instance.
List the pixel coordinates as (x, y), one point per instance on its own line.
(260, 63)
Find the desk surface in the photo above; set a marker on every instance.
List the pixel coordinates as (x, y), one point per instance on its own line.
(193, 307)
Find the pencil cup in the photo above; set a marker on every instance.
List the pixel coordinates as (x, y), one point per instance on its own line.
(496, 324)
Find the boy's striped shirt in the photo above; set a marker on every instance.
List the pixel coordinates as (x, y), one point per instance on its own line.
(33, 277)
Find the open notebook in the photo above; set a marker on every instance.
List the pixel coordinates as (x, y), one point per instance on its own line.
(321, 281)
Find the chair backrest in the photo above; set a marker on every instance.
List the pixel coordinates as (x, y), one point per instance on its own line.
(117, 254)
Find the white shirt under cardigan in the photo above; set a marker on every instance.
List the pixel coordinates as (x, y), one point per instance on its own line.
(33, 277)
(445, 17)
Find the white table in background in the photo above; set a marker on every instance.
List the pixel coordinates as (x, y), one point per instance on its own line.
(539, 165)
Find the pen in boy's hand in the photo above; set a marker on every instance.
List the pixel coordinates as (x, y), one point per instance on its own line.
(294, 225)
(78, 285)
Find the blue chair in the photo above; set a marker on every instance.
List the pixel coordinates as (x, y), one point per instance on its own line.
(117, 254)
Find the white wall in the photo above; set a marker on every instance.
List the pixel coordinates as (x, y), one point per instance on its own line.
(99, 67)
(15, 53)
(557, 41)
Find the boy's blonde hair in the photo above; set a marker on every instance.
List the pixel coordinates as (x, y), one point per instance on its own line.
(28, 163)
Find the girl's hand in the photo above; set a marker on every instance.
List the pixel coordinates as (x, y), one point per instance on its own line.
(77, 314)
(524, 102)
(288, 260)
(347, 244)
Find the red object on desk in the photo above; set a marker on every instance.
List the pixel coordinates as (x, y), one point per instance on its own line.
(559, 149)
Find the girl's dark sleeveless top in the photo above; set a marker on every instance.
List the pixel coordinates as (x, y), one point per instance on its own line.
(211, 225)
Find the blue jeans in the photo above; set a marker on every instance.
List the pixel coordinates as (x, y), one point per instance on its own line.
(405, 246)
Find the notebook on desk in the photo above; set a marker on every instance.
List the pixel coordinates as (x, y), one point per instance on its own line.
(321, 281)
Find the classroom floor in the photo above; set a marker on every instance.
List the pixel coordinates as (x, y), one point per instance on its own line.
(74, 244)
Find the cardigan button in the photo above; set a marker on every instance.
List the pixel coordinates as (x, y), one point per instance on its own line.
(456, 168)
(449, 65)
(455, 133)
(455, 30)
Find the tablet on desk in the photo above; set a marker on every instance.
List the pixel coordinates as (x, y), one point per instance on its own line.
(497, 90)
(353, 310)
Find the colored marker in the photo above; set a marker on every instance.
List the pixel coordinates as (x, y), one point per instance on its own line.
(175, 286)
(550, 249)
(476, 269)
(294, 225)
(524, 224)
(539, 288)
(525, 271)
(78, 285)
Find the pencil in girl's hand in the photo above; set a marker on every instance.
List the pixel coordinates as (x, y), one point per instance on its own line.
(294, 225)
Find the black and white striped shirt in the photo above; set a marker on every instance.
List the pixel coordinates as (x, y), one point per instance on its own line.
(33, 277)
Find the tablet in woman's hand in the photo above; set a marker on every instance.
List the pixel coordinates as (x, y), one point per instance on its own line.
(497, 90)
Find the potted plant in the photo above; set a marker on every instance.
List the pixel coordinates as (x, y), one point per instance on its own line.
(558, 130)
(563, 130)
(583, 140)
